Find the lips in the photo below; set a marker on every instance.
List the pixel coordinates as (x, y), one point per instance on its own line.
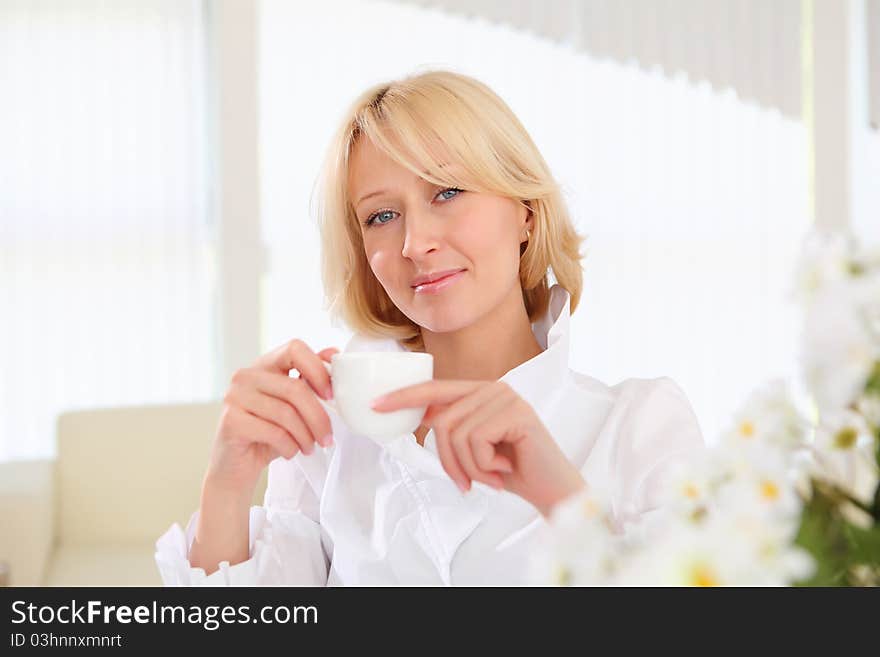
(433, 277)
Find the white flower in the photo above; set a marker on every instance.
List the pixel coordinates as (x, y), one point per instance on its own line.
(869, 406)
(581, 547)
(588, 509)
(838, 350)
(686, 556)
(763, 488)
(776, 560)
(729, 518)
(865, 296)
(839, 282)
(845, 452)
(826, 258)
(688, 486)
(769, 415)
(867, 256)
(726, 551)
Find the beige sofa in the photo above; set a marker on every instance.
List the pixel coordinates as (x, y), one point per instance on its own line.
(122, 476)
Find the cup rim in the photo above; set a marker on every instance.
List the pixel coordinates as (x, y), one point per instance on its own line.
(420, 355)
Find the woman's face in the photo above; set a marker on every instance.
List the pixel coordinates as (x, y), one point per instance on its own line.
(414, 230)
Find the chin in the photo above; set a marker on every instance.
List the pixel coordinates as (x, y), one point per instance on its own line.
(440, 320)
(438, 313)
(445, 325)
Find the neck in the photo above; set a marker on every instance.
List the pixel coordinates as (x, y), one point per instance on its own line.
(463, 354)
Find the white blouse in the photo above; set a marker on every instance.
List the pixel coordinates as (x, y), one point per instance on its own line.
(356, 513)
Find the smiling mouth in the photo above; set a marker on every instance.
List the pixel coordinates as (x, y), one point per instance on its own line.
(438, 283)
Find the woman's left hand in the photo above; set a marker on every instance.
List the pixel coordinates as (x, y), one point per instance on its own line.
(486, 432)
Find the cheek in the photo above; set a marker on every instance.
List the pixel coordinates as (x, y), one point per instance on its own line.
(382, 262)
(484, 238)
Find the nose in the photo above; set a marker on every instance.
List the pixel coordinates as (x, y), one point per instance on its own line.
(421, 235)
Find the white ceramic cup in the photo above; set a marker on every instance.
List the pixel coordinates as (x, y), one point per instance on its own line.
(358, 377)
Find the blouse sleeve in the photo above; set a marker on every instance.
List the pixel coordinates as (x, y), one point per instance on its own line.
(657, 428)
(285, 545)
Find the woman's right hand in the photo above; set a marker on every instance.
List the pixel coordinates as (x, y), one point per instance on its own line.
(266, 414)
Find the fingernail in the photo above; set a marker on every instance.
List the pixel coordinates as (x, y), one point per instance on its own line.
(327, 440)
(328, 392)
(378, 401)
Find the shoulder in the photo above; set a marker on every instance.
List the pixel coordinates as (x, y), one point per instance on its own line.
(644, 410)
(656, 394)
(657, 411)
(653, 394)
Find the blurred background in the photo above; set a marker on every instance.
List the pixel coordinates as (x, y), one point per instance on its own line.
(157, 162)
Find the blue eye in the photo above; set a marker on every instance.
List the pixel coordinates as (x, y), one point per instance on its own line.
(374, 218)
(450, 189)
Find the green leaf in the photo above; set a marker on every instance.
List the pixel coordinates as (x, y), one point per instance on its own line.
(864, 544)
(822, 534)
(872, 386)
(835, 544)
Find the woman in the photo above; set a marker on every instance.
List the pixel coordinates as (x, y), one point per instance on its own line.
(439, 222)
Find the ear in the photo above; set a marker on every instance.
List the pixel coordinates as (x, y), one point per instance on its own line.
(527, 222)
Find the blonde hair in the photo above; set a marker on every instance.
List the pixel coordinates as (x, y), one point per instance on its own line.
(421, 122)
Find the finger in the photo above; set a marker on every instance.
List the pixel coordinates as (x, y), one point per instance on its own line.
(438, 391)
(450, 415)
(267, 452)
(500, 463)
(462, 449)
(258, 430)
(502, 430)
(450, 461)
(443, 418)
(447, 419)
(299, 394)
(459, 439)
(478, 428)
(297, 355)
(432, 412)
(494, 434)
(471, 448)
(280, 413)
(327, 354)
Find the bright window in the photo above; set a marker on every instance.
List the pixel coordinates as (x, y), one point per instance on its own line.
(106, 282)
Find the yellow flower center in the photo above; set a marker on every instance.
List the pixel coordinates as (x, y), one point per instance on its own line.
(702, 575)
(747, 429)
(769, 490)
(691, 491)
(845, 438)
(855, 268)
(698, 515)
(563, 576)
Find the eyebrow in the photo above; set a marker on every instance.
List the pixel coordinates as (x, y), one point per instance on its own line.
(385, 191)
(370, 195)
